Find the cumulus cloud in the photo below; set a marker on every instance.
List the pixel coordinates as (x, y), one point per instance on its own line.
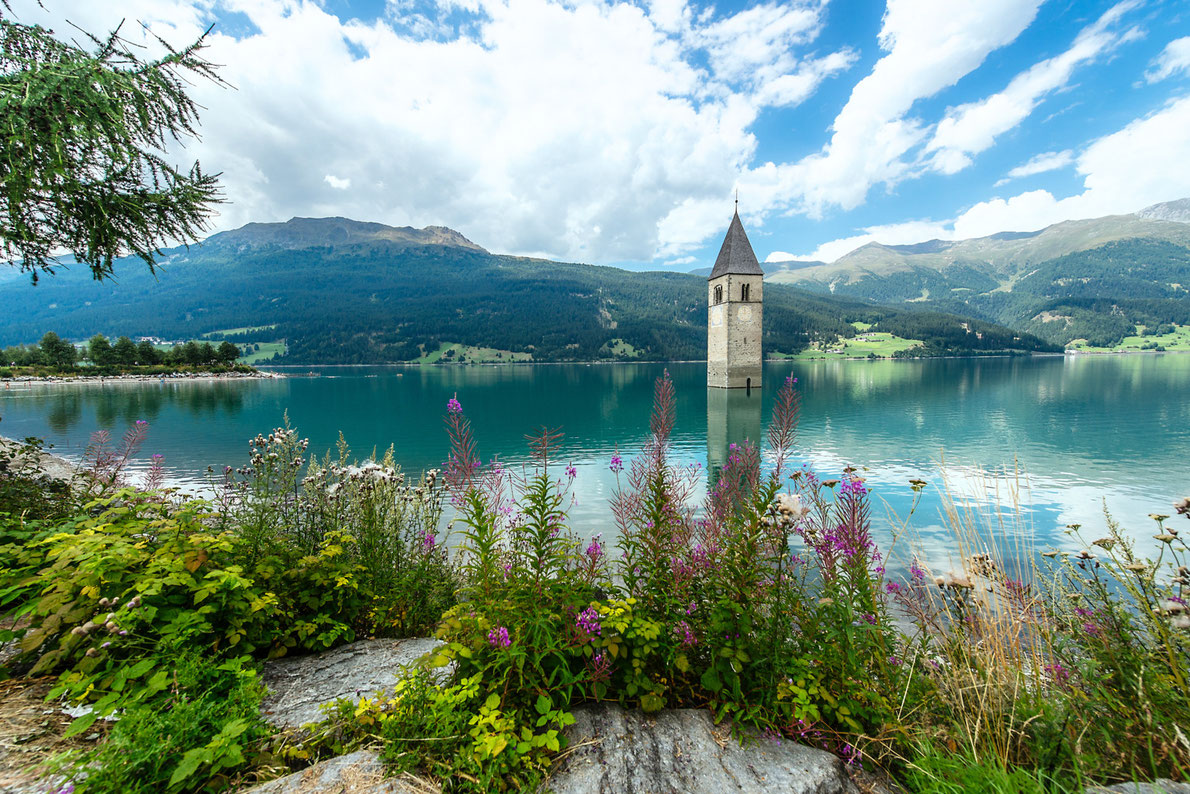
(972, 128)
(597, 130)
(1118, 174)
(1174, 59)
(929, 45)
(573, 130)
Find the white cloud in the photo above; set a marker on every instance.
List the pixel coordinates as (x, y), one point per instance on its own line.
(1174, 59)
(599, 130)
(576, 130)
(929, 45)
(972, 128)
(905, 233)
(1122, 173)
(1040, 164)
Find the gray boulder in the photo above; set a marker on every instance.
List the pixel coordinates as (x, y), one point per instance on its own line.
(360, 772)
(299, 686)
(614, 751)
(1161, 786)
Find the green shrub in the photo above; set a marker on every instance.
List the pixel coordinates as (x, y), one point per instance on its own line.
(194, 736)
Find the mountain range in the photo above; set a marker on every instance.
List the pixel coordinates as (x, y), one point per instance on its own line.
(1083, 281)
(341, 291)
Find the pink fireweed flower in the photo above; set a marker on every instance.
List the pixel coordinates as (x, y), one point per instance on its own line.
(595, 549)
(428, 541)
(684, 634)
(453, 406)
(588, 624)
(600, 667)
(571, 472)
(498, 637)
(617, 464)
(1057, 672)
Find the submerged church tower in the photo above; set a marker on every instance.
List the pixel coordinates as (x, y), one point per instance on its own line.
(735, 291)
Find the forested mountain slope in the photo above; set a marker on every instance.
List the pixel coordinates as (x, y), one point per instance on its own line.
(1093, 280)
(342, 292)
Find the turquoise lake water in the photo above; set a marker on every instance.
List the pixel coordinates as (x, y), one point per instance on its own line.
(1083, 431)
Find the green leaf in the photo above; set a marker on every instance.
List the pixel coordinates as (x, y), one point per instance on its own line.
(711, 681)
(141, 667)
(81, 724)
(652, 702)
(543, 704)
(190, 763)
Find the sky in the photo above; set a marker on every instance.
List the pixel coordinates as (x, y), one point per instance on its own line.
(619, 133)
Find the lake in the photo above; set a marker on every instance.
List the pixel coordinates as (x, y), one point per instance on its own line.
(1084, 431)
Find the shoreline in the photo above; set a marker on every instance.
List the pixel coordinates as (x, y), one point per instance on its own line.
(53, 466)
(103, 380)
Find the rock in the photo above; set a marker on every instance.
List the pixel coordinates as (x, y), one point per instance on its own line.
(1160, 786)
(614, 751)
(360, 772)
(299, 686)
(44, 463)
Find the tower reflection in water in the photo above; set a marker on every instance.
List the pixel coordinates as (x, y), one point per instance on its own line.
(733, 416)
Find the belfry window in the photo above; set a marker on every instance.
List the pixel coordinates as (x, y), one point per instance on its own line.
(744, 292)
(719, 294)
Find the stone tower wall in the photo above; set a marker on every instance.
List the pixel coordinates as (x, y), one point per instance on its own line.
(734, 338)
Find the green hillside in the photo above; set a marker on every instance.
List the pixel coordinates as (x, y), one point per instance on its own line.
(354, 293)
(1083, 283)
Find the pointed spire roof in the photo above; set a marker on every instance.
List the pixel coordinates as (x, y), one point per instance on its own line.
(736, 254)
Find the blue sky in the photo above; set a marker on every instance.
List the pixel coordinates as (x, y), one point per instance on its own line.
(617, 133)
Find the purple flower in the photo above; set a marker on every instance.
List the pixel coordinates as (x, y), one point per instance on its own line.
(1059, 673)
(853, 485)
(571, 471)
(595, 549)
(684, 634)
(141, 423)
(427, 541)
(453, 406)
(892, 588)
(588, 622)
(617, 464)
(498, 637)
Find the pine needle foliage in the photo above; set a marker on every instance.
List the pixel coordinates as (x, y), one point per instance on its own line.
(83, 139)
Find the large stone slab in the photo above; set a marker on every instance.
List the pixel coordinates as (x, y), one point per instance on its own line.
(299, 686)
(1156, 787)
(360, 772)
(614, 751)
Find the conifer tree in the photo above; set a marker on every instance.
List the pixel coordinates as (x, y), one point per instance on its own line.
(83, 134)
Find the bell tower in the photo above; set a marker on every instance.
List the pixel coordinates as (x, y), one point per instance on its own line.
(735, 292)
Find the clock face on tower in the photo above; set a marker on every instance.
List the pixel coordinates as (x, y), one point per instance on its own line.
(745, 314)
(716, 315)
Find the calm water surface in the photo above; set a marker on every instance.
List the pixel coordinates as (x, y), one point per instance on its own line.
(1084, 431)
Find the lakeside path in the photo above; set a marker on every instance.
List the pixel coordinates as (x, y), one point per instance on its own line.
(104, 380)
